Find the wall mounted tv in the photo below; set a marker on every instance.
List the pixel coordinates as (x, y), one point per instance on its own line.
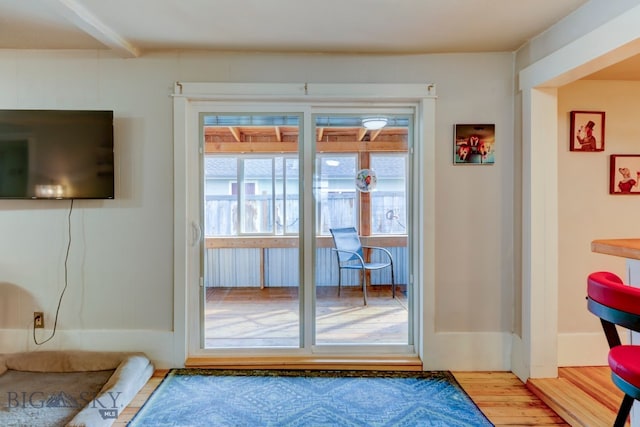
(56, 154)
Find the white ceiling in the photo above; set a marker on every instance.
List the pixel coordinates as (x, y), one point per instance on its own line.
(353, 26)
(132, 27)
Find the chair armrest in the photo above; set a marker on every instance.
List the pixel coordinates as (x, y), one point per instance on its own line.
(352, 253)
(380, 249)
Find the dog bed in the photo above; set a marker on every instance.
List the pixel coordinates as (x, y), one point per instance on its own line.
(69, 388)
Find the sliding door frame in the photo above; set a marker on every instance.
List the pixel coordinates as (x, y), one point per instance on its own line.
(190, 99)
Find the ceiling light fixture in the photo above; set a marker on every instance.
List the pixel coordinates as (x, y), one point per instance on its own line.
(374, 123)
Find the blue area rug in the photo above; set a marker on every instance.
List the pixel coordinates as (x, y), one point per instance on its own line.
(196, 397)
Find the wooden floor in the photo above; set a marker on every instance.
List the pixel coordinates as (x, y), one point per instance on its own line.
(582, 396)
(505, 400)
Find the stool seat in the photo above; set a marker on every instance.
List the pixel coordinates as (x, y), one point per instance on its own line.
(624, 361)
(617, 304)
(608, 289)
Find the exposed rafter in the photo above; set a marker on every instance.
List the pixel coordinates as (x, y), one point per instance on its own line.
(374, 134)
(285, 139)
(235, 132)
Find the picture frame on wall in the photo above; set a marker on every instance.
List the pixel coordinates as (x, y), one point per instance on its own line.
(587, 131)
(474, 144)
(624, 174)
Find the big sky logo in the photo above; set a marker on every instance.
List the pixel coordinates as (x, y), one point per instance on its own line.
(106, 405)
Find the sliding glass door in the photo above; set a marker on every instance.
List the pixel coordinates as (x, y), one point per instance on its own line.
(251, 215)
(361, 205)
(257, 216)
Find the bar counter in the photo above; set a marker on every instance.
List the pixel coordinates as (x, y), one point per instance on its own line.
(626, 248)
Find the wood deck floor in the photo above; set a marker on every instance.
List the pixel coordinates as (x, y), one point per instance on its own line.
(505, 400)
(254, 317)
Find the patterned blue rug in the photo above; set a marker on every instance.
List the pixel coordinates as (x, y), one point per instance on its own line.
(196, 397)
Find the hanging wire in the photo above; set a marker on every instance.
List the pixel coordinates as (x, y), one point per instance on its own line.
(66, 282)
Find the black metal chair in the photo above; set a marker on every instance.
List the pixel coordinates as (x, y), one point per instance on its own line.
(618, 304)
(351, 257)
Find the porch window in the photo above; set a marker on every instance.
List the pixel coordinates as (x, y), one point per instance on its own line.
(247, 195)
(389, 201)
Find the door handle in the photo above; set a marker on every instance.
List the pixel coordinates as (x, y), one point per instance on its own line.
(196, 233)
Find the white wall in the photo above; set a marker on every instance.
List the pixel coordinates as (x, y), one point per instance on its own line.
(120, 293)
(587, 211)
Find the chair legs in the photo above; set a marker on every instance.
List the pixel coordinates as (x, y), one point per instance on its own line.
(393, 283)
(623, 412)
(363, 281)
(363, 275)
(610, 331)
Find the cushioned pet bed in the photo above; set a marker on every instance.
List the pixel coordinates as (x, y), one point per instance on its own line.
(69, 388)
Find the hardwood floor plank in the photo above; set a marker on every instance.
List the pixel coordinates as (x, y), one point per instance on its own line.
(595, 381)
(505, 400)
(571, 402)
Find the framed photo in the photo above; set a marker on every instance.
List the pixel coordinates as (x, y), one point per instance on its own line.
(624, 174)
(587, 131)
(474, 144)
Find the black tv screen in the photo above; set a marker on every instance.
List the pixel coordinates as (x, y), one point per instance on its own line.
(56, 154)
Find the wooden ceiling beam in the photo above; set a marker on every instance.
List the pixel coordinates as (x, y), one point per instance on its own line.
(250, 147)
(88, 22)
(292, 147)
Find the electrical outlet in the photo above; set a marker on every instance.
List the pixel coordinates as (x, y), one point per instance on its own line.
(38, 319)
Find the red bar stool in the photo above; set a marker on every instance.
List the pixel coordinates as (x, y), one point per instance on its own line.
(618, 304)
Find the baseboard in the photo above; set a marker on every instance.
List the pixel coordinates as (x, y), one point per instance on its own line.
(579, 349)
(518, 363)
(468, 351)
(583, 349)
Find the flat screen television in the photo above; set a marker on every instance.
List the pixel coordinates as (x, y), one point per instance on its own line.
(56, 154)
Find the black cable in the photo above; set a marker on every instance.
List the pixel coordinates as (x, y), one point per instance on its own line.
(66, 282)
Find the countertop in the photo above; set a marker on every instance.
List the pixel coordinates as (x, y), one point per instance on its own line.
(626, 248)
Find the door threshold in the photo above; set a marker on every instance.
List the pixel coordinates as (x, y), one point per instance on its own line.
(386, 363)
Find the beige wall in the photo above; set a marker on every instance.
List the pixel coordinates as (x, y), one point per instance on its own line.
(586, 209)
(593, 37)
(120, 293)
